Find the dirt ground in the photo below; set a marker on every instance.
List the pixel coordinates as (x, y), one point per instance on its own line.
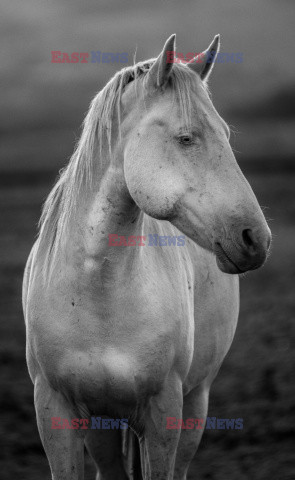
(256, 381)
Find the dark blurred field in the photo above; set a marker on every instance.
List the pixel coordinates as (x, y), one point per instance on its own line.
(40, 114)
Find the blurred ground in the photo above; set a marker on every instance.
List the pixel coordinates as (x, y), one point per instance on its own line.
(40, 114)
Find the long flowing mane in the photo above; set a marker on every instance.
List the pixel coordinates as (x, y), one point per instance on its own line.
(86, 162)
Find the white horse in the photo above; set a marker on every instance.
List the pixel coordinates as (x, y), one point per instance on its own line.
(139, 332)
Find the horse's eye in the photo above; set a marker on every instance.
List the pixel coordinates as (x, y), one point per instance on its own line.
(185, 139)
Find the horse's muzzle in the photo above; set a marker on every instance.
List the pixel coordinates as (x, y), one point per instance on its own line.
(248, 252)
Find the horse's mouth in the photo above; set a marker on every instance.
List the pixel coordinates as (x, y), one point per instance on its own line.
(224, 262)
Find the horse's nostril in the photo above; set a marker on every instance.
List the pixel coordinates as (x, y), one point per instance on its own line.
(248, 238)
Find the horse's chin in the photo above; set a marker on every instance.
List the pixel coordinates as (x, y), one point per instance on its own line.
(225, 262)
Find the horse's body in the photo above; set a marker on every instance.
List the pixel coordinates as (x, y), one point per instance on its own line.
(135, 332)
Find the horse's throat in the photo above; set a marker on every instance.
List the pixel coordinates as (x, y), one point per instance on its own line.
(111, 219)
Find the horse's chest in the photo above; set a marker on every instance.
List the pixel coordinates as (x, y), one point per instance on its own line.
(110, 378)
(114, 379)
(120, 348)
(216, 314)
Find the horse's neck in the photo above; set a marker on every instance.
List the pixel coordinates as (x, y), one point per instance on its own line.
(111, 210)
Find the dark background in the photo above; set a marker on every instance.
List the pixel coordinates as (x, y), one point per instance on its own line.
(42, 107)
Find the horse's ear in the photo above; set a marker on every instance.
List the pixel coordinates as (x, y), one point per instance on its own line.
(204, 62)
(160, 71)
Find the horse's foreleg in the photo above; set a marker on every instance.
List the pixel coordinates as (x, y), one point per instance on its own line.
(195, 406)
(64, 447)
(159, 444)
(105, 448)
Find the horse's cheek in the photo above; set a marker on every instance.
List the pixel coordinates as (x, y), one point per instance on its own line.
(154, 188)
